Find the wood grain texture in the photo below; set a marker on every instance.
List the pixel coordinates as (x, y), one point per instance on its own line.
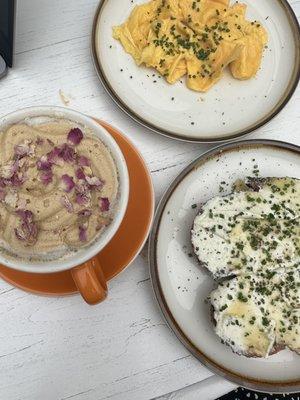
(59, 348)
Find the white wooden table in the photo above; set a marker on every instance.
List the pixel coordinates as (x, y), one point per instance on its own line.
(60, 348)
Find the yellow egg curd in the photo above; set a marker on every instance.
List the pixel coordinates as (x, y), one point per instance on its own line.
(196, 38)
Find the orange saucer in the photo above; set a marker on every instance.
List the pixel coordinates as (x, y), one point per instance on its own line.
(125, 245)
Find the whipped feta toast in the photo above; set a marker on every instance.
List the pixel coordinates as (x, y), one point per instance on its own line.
(256, 228)
(251, 238)
(257, 315)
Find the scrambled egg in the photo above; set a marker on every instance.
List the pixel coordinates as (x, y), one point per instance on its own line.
(197, 38)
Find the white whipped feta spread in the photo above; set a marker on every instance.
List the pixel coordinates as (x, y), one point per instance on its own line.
(254, 238)
(254, 314)
(250, 230)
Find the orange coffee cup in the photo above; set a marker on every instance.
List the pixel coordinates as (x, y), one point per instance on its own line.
(92, 287)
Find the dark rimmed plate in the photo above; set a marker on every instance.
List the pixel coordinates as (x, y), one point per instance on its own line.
(181, 286)
(230, 110)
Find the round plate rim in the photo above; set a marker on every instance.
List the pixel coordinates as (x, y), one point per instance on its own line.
(285, 98)
(245, 381)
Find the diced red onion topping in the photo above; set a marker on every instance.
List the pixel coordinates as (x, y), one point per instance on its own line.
(16, 180)
(80, 174)
(43, 164)
(22, 150)
(10, 175)
(68, 183)
(82, 199)
(94, 181)
(75, 136)
(64, 152)
(7, 171)
(82, 187)
(46, 177)
(53, 155)
(104, 204)
(82, 193)
(67, 153)
(82, 233)
(84, 161)
(66, 203)
(27, 231)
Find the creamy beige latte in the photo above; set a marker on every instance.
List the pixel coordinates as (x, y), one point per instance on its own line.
(58, 188)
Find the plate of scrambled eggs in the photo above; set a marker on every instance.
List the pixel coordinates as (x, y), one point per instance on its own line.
(194, 39)
(198, 70)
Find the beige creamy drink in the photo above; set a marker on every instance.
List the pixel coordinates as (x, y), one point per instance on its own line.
(58, 188)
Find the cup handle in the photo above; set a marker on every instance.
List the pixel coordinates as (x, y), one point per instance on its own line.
(92, 288)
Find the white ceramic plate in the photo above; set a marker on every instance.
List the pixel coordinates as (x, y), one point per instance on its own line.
(181, 285)
(230, 109)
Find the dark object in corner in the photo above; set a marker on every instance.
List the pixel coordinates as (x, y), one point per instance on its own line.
(7, 22)
(245, 394)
